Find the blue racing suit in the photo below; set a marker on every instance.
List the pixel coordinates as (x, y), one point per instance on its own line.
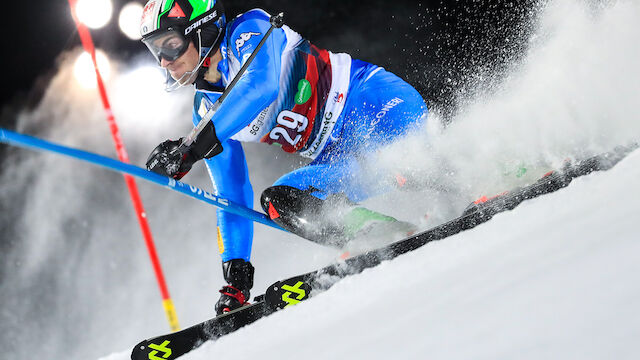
(324, 106)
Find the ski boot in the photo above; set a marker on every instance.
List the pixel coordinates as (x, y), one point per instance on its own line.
(239, 276)
(334, 221)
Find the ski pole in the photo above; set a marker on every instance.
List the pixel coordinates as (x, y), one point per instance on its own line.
(26, 141)
(276, 22)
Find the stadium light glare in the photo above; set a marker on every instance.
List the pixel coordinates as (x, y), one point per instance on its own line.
(84, 72)
(94, 13)
(129, 20)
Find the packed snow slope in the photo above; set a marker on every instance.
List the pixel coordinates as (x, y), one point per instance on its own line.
(556, 278)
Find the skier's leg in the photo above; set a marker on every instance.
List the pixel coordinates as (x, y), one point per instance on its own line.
(382, 110)
(319, 202)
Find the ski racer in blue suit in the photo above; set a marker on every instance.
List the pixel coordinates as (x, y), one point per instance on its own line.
(328, 107)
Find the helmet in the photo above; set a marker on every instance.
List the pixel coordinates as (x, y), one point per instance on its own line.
(168, 26)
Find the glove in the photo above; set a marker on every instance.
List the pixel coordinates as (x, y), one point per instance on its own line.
(169, 160)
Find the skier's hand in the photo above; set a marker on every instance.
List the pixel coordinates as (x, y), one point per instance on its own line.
(167, 159)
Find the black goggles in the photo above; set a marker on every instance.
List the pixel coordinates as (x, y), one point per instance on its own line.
(168, 45)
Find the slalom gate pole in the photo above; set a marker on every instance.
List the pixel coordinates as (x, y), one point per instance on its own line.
(167, 302)
(30, 142)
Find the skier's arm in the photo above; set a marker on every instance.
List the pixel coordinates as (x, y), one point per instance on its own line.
(256, 89)
(259, 86)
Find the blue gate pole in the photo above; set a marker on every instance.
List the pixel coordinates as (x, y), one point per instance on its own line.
(30, 142)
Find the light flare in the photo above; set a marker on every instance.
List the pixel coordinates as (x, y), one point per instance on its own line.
(94, 13)
(129, 20)
(84, 71)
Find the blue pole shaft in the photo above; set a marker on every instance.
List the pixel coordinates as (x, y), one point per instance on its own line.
(30, 142)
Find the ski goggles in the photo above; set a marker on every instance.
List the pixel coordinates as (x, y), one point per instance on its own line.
(168, 45)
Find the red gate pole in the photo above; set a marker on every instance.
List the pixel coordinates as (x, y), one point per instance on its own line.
(87, 43)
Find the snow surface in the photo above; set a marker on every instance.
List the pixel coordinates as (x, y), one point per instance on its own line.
(556, 278)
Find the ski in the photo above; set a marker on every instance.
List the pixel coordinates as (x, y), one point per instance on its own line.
(174, 345)
(279, 294)
(291, 291)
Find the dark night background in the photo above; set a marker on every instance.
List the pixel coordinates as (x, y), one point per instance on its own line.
(435, 45)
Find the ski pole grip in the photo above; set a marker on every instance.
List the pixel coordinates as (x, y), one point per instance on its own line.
(277, 20)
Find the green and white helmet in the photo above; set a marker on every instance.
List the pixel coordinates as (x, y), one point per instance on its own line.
(168, 26)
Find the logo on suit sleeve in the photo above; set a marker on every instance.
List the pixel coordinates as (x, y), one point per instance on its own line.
(244, 37)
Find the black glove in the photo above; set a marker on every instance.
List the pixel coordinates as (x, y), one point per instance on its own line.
(169, 160)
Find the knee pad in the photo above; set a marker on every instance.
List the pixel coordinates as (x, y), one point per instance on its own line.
(299, 212)
(289, 207)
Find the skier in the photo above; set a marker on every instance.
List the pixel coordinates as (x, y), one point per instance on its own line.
(328, 107)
